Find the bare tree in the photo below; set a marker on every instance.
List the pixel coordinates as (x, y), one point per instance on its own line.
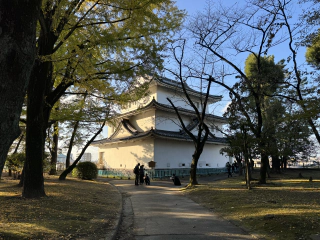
(249, 30)
(203, 131)
(306, 95)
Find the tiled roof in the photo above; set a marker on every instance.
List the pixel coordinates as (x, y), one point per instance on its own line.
(177, 85)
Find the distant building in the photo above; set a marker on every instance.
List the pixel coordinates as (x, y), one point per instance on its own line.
(86, 157)
(61, 161)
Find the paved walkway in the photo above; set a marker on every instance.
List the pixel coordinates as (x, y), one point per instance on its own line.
(160, 211)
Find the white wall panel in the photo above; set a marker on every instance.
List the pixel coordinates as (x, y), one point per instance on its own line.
(127, 155)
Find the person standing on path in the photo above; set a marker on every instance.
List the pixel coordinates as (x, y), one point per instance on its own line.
(141, 174)
(229, 169)
(136, 172)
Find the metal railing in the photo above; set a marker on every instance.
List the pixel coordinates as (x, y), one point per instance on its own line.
(160, 173)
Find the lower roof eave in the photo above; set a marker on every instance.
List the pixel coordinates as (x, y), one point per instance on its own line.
(115, 141)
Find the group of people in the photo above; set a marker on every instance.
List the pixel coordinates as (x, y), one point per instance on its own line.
(232, 168)
(140, 176)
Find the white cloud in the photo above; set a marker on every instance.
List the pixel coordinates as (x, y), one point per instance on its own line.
(224, 109)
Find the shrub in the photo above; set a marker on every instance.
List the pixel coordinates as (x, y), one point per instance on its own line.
(15, 161)
(85, 170)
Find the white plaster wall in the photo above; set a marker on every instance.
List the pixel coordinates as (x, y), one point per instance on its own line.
(178, 98)
(127, 155)
(123, 133)
(211, 155)
(171, 154)
(169, 121)
(144, 121)
(111, 129)
(213, 129)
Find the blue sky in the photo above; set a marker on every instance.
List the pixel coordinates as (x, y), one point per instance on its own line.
(280, 52)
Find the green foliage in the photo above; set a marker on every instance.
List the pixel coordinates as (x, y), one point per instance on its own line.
(114, 43)
(85, 170)
(15, 161)
(263, 71)
(46, 165)
(101, 49)
(313, 52)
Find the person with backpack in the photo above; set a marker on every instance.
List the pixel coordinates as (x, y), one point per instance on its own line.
(141, 174)
(136, 172)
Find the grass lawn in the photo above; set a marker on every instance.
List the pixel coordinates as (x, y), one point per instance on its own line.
(287, 207)
(73, 209)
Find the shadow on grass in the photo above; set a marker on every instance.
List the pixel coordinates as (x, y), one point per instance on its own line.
(72, 209)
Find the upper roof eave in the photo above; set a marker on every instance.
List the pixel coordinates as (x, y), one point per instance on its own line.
(165, 82)
(168, 108)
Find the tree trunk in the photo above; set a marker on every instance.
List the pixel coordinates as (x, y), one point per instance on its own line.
(54, 151)
(246, 159)
(194, 164)
(285, 162)
(239, 162)
(276, 163)
(75, 128)
(193, 172)
(37, 120)
(248, 175)
(264, 168)
(38, 112)
(18, 144)
(74, 164)
(17, 42)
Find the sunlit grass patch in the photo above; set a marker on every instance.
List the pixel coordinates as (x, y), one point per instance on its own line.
(23, 230)
(287, 207)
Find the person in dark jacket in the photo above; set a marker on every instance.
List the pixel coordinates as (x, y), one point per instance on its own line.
(228, 165)
(136, 173)
(141, 174)
(176, 180)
